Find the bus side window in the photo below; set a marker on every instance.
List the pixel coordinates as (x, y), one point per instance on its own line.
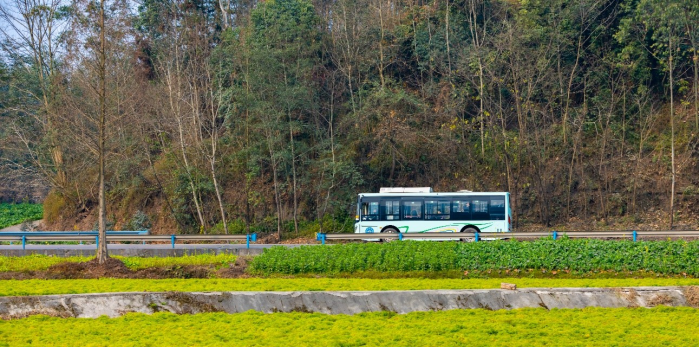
(461, 209)
(497, 208)
(436, 209)
(412, 209)
(390, 210)
(479, 209)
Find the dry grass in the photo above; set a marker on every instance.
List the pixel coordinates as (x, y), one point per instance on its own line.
(628, 294)
(660, 299)
(691, 294)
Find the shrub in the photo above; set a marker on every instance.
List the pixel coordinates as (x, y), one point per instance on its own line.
(663, 257)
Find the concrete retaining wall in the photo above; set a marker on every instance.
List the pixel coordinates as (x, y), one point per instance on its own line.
(117, 304)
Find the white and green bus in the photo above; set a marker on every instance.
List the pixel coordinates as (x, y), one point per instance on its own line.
(419, 210)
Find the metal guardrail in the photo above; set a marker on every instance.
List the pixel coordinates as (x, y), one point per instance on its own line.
(74, 233)
(112, 237)
(631, 234)
(142, 236)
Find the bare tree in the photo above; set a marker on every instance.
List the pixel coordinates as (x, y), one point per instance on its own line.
(172, 66)
(100, 46)
(31, 29)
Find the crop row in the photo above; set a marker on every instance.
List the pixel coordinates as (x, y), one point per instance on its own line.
(111, 285)
(662, 257)
(37, 262)
(12, 214)
(662, 326)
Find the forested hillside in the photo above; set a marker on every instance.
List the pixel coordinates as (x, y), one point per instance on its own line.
(234, 116)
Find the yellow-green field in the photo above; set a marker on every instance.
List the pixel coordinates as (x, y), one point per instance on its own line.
(37, 262)
(660, 326)
(106, 285)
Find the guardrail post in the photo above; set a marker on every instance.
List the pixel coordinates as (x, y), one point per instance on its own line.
(400, 236)
(247, 241)
(24, 241)
(322, 236)
(172, 239)
(555, 235)
(635, 236)
(476, 239)
(97, 241)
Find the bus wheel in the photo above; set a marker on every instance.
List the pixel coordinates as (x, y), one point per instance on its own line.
(389, 230)
(470, 230)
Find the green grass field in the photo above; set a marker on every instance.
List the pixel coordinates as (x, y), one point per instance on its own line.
(574, 255)
(660, 326)
(106, 285)
(13, 214)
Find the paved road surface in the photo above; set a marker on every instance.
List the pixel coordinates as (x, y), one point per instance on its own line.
(18, 227)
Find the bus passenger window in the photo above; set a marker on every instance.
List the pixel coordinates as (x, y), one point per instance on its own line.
(412, 209)
(390, 210)
(497, 208)
(461, 210)
(480, 209)
(437, 209)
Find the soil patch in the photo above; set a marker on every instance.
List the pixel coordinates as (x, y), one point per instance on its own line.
(268, 239)
(300, 241)
(115, 268)
(235, 270)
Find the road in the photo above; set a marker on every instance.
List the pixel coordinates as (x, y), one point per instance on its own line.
(37, 224)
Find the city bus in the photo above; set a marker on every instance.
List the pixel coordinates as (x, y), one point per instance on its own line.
(419, 210)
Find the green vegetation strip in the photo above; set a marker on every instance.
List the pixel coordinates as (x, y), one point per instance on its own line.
(660, 257)
(662, 326)
(107, 285)
(13, 214)
(37, 262)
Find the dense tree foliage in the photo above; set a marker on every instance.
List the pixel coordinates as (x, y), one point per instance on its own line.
(235, 116)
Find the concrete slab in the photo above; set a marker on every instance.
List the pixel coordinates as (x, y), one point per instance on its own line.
(117, 304)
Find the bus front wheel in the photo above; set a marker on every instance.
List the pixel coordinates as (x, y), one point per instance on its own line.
(389, 230)
(470, 230)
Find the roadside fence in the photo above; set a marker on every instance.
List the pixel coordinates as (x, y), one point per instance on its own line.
(116, 236)
(478, 236)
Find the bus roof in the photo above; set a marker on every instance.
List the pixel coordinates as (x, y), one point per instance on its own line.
(445, 194)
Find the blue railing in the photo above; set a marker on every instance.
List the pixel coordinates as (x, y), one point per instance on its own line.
(128, 236)
(72, 233)
(478, 236)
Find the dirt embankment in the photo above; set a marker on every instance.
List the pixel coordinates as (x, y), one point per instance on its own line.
(115, 268)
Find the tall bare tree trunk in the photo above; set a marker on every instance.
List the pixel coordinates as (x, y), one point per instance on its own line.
(672, 141)
(293, 175)
(478, 43)
(277, 198)
(214, 142)
(696, 90)
(102, 233)
(381, 58)
(446, 31)
(174, 85)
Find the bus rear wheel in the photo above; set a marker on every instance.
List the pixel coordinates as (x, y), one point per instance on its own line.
(470, 230)
(389, 230)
